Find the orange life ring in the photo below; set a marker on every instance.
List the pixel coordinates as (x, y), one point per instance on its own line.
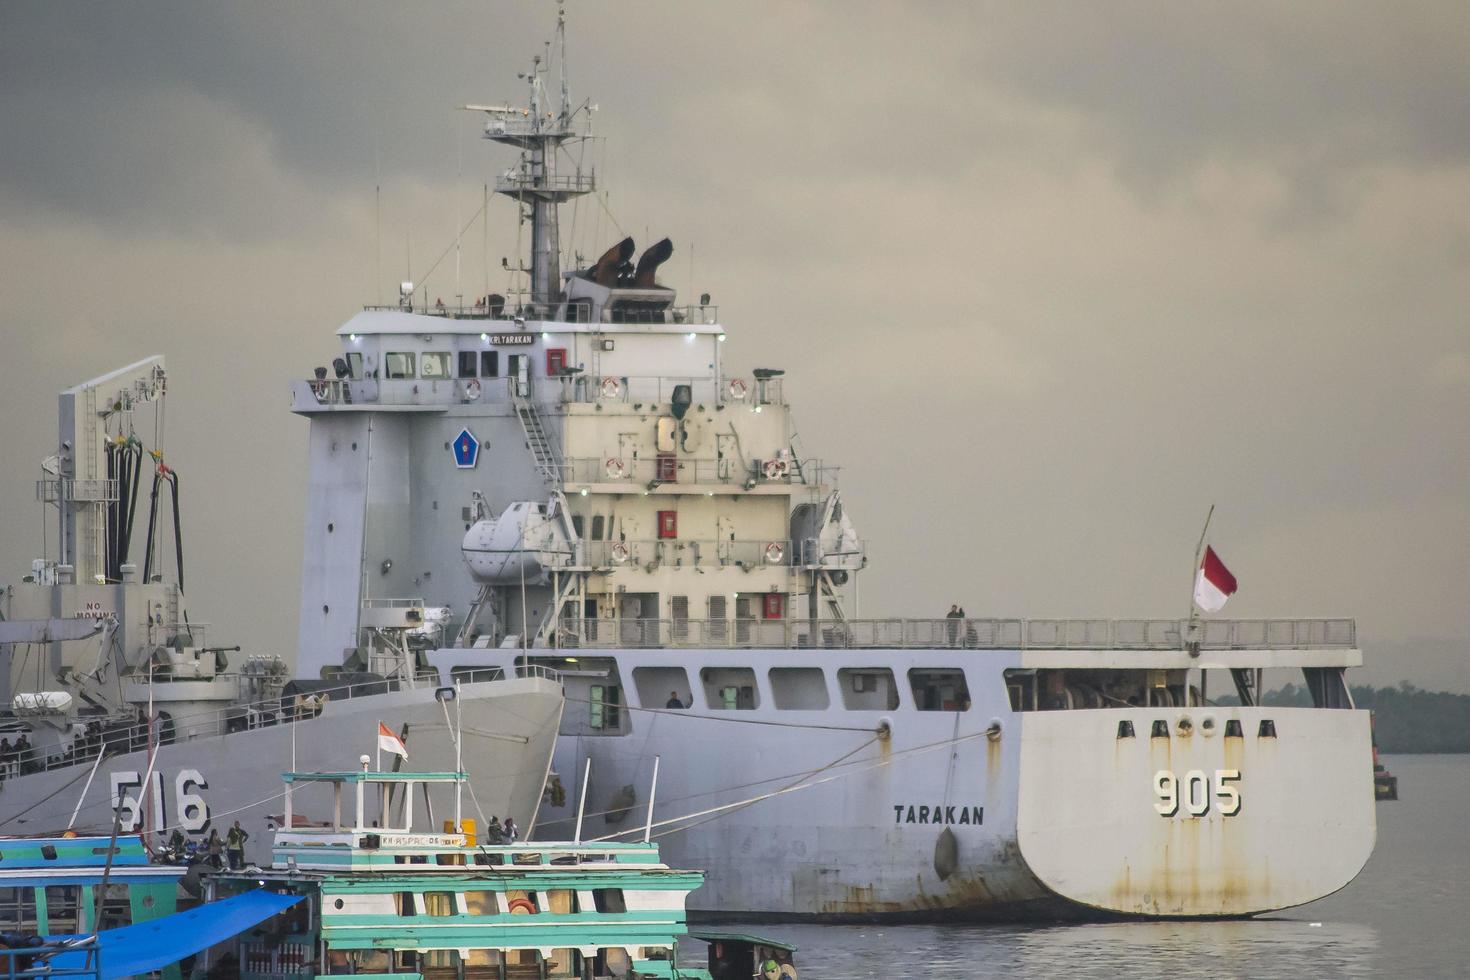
(472, 389)
(615, 468)
(619, 552)
(774, 552)
(522, 906)
(773, 468)
(611, 387)
(737, 389)
(319, 388)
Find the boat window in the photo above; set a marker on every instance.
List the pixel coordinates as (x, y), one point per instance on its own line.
(561, 901)
(63, 908)
(489, 860)
(398, 365)
(521, 902)
(602, 707)
(577, 525)
(48, 851)
(403, 903)
(867, 688)
(481, 903)
(564, 962)
(354, 364)
(939, 689)
(481, 957)
(609, 900)
(435, 364)
(467, 362)
(370, 960)
(598, 523)
(439, 903)
(526, 857)
(799, 688)
(489, 363)
(657, 686)
(729, 688)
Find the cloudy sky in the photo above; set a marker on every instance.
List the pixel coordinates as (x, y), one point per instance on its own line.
(1047, 280)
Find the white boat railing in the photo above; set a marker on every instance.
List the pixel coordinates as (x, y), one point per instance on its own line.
(977, 634)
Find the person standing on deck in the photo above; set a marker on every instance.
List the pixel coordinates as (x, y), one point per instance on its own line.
(954, 623)
(235, 846)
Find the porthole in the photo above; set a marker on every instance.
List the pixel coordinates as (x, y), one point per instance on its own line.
(331, 528)
(339, 904)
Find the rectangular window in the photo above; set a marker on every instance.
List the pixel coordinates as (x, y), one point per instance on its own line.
(398, 365)
(939, 689)
(597, 527)
(729, 688)
(480, 903)
(62, 908)
(667, 468)
(489, 363)
(609, 900)
(467, 363)
(354, 364)
(439, 903)
(668, 524)
(867, 688)
(799, 688)
(577, 524)
(435, 364)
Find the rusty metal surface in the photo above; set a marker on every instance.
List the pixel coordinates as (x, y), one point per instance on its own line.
(1093, 821)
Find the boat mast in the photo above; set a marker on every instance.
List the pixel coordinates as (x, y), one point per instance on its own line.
(538, 131)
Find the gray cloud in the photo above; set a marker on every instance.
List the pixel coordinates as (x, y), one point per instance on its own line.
(1048, 279)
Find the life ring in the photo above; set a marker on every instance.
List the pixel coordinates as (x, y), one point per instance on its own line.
(619, 552)
(615, 468)
(773, 468)
(522, 906)
(611, 387)
(774, 553)
(472, 390)
(737, 389)
(319, 388)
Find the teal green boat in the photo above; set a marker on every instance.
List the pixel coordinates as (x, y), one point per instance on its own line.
(384, 901)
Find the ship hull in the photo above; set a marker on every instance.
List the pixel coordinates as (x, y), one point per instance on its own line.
(509, 729)
(978, 814)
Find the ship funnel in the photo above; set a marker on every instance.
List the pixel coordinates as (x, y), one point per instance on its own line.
(649, 262)
(605, 271)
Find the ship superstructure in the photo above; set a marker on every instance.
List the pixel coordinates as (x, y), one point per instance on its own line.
(571, 476)
(112, 695)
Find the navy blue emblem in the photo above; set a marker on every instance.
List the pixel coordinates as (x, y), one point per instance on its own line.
(466, 450)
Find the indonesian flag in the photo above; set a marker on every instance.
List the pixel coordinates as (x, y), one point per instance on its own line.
(388, 742)
(1214, 583)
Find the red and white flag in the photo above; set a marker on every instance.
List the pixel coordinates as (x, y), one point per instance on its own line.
(1213, 584)
(388, 742)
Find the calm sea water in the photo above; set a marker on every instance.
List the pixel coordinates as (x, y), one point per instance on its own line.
(1406, 915)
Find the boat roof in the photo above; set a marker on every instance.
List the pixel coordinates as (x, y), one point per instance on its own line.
(739, 937)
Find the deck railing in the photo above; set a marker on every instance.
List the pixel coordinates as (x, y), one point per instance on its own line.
(120, 736)
(978, 634)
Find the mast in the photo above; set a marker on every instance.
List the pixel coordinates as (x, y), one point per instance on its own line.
(538, 131)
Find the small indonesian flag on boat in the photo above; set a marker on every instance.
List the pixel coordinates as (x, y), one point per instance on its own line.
(388, 742)
(1213, 584)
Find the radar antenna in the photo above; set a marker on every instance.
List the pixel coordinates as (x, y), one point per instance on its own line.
(538, 132)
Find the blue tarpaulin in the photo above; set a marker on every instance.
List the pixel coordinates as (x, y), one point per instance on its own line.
(146, 946)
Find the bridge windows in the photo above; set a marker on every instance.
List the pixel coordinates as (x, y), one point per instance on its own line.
(489, 363)
(398, 365)
(434, 365)
(468, 362)
(657, 686)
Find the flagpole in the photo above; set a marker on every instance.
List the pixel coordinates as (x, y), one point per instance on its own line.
(1191, 641)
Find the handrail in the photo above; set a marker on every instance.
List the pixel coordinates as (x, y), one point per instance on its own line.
(978, 634)
(116, 739)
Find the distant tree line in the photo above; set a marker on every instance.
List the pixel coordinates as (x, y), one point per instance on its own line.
(1405, 718)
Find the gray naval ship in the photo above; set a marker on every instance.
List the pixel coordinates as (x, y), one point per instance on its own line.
(115, 700)
(574, 478)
